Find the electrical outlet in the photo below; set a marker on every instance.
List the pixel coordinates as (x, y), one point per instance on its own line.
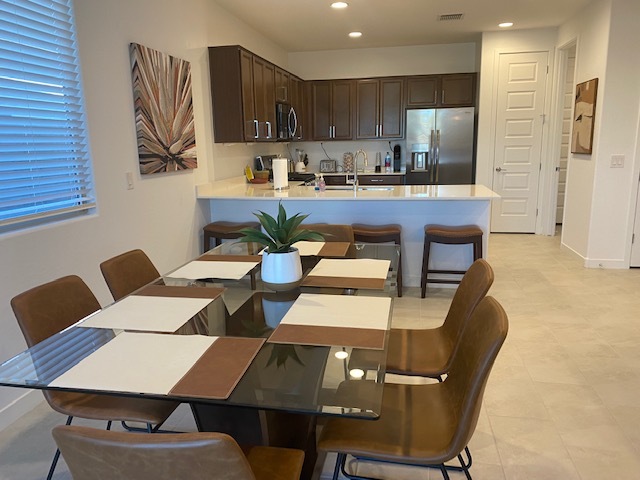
(129, 176)
(617, 161)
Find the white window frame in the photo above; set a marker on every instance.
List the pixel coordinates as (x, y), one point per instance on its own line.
(45, 167)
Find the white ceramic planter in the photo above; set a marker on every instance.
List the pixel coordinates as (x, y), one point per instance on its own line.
(281, 271)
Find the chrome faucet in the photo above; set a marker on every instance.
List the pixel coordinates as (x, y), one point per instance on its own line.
(355, 167)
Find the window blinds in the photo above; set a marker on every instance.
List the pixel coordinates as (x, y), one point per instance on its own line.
(45, 169)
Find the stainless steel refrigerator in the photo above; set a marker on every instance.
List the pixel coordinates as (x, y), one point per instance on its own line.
(440, 146)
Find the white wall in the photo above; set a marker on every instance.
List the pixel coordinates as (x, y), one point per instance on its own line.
(591, 30)
(494, 44)
(614, 189)
(161, 214)
(378, 62)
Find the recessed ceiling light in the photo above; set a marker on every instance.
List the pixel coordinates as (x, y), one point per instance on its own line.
(355, 34)
(341, 355)
(505, 24)
(339, 5)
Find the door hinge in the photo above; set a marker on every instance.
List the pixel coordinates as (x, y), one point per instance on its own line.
(547, 69)
(536, 212)
(540, 167)
(633, 238)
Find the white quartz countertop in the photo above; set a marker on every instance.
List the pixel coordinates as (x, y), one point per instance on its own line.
(238, 189)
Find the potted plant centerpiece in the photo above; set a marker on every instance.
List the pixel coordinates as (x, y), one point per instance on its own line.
(281, 266)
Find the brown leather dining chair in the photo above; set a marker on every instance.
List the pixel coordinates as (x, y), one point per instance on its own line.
(127, 272)
(429, 352)
(427, 425)
(48, 309)
(335, 233)
(93, 454)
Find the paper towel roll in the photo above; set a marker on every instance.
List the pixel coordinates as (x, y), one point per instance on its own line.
(280, 173)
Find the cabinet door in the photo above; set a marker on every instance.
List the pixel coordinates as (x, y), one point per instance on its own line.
(458, 90)
(391, 111)
(321, 108)
(367, 108)
(263, 90)
(283, 86)
(342, 109)
(251, 130)
(422, 91)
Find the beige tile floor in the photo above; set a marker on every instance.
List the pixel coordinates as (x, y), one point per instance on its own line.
(563, 400)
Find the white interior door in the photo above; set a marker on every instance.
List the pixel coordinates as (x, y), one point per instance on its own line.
(522, 79)
(567, 116)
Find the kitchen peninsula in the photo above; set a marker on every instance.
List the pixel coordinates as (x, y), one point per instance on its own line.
(411, 206)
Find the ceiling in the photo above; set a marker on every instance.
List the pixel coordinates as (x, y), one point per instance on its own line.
(311, 25)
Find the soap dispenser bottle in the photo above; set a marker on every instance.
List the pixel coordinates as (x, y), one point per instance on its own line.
(387, 163)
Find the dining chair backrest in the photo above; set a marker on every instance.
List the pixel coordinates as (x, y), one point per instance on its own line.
(93, 454)
(49, 308)
(473, 287)
(335, 233)
(128, 272)
(479, 346)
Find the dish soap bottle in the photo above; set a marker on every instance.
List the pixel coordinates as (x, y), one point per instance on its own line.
(387, 163)
(322, 184)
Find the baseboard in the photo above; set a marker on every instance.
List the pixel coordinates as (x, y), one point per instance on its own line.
(606, 263)
(19, 407)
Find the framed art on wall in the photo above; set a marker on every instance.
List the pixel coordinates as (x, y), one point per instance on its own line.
(583, 116)
(163, 111)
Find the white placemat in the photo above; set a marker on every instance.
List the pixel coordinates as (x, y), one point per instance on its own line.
(152, 314)
(137, 362)
(351, 268)
(308, 248)
(349, 311)
(204, 269)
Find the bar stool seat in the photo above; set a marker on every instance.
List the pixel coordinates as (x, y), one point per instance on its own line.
(224, 230)
(456, 235)
(381, 234)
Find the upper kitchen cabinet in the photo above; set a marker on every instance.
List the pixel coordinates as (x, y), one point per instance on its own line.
(283, 86)
(332, 109)
(379, 108)
(428, 91)
(422, 91)
(243, 95)
(297, 101)
(458, 90)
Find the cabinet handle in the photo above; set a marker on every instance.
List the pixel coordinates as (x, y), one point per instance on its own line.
(443, 95)
(435, 96)
(268, 129)
(255, 126)
(380, 130)
(330, 130)
(375, 180)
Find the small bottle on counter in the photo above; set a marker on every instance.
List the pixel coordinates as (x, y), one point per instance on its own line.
(322, 184)
(316, 183)
(387, 163)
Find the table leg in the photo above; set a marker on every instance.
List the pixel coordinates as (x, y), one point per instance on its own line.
(250, 426)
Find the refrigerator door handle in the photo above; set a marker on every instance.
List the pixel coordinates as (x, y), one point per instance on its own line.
(431, 160)
(437, 155)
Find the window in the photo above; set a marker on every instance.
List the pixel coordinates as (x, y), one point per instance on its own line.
(45, 171)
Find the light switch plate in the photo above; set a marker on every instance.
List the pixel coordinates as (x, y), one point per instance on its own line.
(617, 161)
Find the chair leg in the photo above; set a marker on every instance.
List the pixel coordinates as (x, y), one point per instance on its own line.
(339, 464)
(148, 429)
(399, 282)
(425, 266)
(443, 470)
(56, 456)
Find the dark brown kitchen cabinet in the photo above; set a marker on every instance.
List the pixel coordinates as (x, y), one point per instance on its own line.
(332, 109)
(243, 95)
(379, 111)
(283, 86)
(454, 90)
(297, 100)
(422, 91)
(458, 90)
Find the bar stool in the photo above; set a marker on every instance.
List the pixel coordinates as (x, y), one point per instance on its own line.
(460, 235)
(223, 230)
(381, 234)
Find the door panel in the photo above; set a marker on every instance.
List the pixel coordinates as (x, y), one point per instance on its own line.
(567, 116)
(367, 121)
(321, 108)
(391, 111)
(518, 144)
(341, 102)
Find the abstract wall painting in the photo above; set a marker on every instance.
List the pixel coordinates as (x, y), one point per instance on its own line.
(583, 116)
(163, 111)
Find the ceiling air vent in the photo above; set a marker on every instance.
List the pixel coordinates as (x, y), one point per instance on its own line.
(451, 16)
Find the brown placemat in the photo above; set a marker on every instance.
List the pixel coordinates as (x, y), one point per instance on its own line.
(219, 369)
(180, 292)
(344, 282)
(334, 249)
(328, 336)
(231, 258)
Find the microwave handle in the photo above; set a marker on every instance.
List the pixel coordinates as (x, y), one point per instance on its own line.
(292, 122)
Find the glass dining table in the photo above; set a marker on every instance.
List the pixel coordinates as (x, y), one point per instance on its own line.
(281, 389)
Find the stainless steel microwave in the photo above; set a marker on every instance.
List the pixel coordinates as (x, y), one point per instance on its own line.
(286, 122)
